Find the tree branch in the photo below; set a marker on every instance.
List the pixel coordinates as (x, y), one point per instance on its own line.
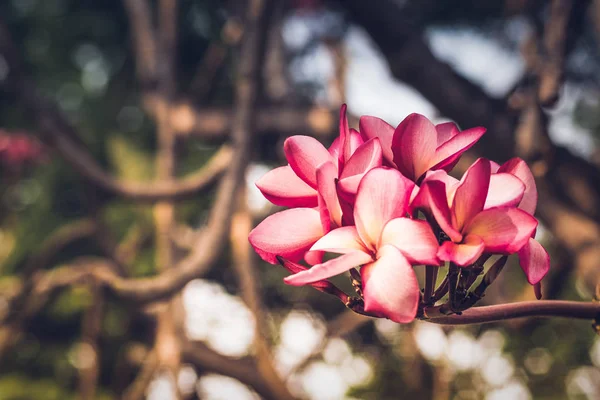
(144, 40)
(540, 308)
(244, 370)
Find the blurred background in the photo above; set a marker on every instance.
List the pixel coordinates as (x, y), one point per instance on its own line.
(132, 131)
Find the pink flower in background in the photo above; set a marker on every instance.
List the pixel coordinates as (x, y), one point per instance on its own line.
(17, 149)
(417, 145)
(384, 242)
(460, 211)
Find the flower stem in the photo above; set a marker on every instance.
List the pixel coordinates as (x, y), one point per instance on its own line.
(541, 308)
(431, 272)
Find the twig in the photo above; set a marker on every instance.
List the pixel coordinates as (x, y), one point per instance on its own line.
(539, 308)
(431, 272)
(144, 40)
(555, 45)
(137, 389)
(244, 370)
(215, 123)
(89, 350)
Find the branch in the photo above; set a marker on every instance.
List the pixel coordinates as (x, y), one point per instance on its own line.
(215, 123)
(136, 390)
(244, 370)
(89, 349)
(144, 40)
(59, 132)
(540, 308)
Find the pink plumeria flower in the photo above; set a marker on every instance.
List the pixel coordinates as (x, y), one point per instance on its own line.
(295, 185)
(312, 179)
(534, 259)
(384, 242)
(475, 218)
(417, 145)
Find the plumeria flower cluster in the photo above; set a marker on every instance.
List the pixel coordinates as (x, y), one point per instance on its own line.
(382, 202)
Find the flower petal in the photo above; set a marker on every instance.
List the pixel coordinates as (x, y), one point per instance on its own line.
(329, 268)
(344, 133)
(289, 233)
(503, 230)
(341, 240)
(373, 127)
(305, 154)
(390, 286)
(414, 239)
(445, 131)
(329, 205)
(534, 260)
(348, 187)
(431, 198)
(463, 254)
(414, 145)
(505, 190)
(365, 158)
(282, 187)
(383, 195)
(450, 151)
(520, 169)
(295, 268)
(353, 142)
(471, 193)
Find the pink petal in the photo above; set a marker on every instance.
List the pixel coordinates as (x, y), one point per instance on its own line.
(494, 166)
(462, 254)
(329, 205)
(448, 180)
(289, 234)
(390, 286)
(519, 168)
(383, 195)
(414, 239)
(534, 260)
(341, 240)
(503, 230)
(373, 127)
(295, 268)
(334, 151)
(431, 199)
(282, 187)
(349, 186)
(471, 193)
(365, 158)
(344, 133)
(414, 145)
(314, 257)
(305, 154)
(328, 269)
(455, 146)
(445, 131)
(353, 142)
(505, 190)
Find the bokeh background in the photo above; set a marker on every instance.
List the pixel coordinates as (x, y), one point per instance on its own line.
(126, 273)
